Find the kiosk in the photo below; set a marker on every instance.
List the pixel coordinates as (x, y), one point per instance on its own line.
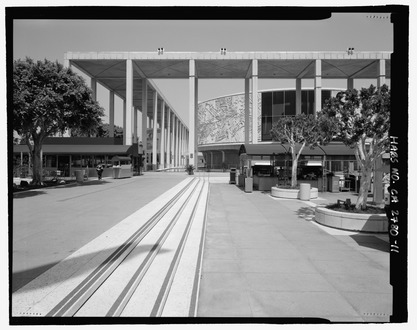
(122, 167)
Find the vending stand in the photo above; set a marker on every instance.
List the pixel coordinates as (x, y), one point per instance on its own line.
(122, 167)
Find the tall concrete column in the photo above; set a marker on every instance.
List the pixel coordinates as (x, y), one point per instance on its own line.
(124, 121)
(186, 141)
(173, 143)
(169, 139)
(247, 110)
(155, 132)
(317, 87)
(135, 124)
(350, 83)
(191, 114)
(182, 145)
(177, 124)
(177, 147)
(144, 121)
(381, 73)
(298, 94)
(94, 88)
(196, 122)
(127, 129)
(179, 142)
(111, 114)
(163, 134)
(254, 101)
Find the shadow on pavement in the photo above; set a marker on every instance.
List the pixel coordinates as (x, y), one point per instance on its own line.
(371, 241)
(21, 278)
(90, 183)
(307, 213)
(29, 193)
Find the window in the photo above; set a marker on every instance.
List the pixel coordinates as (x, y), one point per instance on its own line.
(76, 161)
(278, 105)
(266, 104)
(325, 95)
(50, 161)
(307, 102)
(290, 103)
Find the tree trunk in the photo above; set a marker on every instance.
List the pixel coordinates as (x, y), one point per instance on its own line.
(294, 167)
(294, 172)
(364, 188)
(37, 164)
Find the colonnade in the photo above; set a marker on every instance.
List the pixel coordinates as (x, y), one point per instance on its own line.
(172, 140)
(162, 133)
(251, 108)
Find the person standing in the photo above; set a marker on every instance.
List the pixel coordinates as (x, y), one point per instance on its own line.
(99, 170)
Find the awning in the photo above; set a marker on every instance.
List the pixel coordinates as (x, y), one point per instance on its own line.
(332, 149)
(120, 158)
(77, 149)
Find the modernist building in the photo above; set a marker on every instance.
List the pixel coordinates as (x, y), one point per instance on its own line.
(129, 74)
(221, 130)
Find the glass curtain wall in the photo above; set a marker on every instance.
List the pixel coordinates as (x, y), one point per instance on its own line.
(282, 103)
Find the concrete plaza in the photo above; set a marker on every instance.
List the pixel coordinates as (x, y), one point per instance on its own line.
(262, 256)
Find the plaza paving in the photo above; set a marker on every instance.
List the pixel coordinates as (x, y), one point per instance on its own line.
(261, 256)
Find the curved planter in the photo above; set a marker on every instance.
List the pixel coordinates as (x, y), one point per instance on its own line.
(292, 193)
(373, 223)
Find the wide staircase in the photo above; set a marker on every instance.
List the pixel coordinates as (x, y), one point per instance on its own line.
(147, 265)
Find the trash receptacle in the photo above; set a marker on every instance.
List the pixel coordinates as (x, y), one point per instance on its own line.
(333, 184)
(116, 172)
(248, 185)
(232, 176)
(79, 175)
(305, 191)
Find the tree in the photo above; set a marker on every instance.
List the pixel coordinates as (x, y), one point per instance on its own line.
(364, 120)
(49, 99)
(300, 131)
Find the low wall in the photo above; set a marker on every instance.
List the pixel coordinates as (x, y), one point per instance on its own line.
(374, 223)
(292, 193)
(264, 183)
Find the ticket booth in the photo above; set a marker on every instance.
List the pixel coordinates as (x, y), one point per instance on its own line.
(122, 167)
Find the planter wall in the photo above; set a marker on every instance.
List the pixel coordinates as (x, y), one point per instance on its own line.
(374, 223)
(292, 193)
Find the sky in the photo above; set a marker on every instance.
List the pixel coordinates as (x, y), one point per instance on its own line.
(50, 39)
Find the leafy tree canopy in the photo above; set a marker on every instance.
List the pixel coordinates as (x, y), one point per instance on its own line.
(364, 121)
(300, 131)
(304, 129)
(362, 116)
(49, 99)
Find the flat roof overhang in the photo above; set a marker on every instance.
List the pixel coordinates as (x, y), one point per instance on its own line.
(109, 68)
(58, 149)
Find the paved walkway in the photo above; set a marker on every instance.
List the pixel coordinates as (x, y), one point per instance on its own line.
(50, 224)
(263, 257)
(266, 257)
